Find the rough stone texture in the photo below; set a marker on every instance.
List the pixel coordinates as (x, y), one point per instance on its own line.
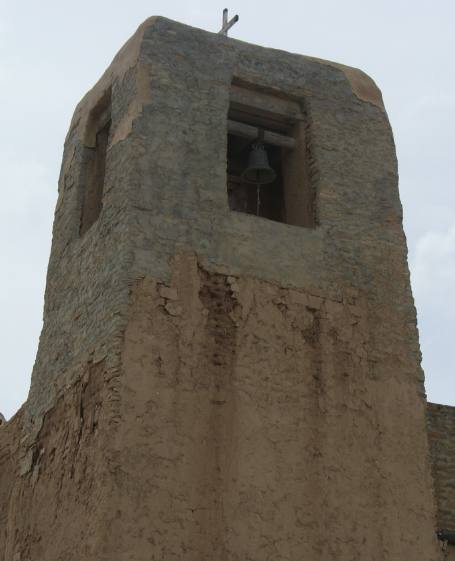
(441, 433)
(214, 385)
(59, 490)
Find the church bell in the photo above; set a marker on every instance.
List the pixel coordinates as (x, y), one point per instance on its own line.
(258, 170)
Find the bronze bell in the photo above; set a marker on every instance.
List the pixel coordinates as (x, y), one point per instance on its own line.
(258, 170)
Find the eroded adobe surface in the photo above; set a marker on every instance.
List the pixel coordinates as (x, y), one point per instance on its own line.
(243, 410)
(211, 384)
(441, 432)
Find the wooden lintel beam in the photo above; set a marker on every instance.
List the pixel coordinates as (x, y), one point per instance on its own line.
(251, 132)
(265, 103)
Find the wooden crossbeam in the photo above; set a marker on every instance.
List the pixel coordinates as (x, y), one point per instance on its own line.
(252, 133)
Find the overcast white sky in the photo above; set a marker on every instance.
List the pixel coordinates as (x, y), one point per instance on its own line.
(52, 52)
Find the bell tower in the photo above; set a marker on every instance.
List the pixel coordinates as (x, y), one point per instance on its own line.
(229, 367)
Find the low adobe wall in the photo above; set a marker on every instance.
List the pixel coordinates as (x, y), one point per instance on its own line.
(441, 433)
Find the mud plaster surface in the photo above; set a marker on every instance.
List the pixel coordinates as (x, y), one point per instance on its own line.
(210, 385)
(245, 424)
(441, 433)
(263, 428)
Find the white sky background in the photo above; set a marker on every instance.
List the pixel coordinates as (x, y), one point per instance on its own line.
(52, 52)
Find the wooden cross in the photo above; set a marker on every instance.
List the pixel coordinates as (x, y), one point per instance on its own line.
(227, 24)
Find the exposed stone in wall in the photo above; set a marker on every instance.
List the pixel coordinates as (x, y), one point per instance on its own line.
(165, 193)
(10, 435)
(211, 384)
(59, 489)
(243, 418)
(261, 429)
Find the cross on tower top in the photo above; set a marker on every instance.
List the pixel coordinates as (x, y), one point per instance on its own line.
(227, 24)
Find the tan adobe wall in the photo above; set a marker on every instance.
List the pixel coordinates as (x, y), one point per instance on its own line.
(441, 433)
(211, 384)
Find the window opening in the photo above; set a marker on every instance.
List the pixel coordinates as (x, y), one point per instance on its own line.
(94, 165)
(267, 133)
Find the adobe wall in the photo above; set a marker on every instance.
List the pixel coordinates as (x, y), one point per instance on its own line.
(256, 407)
(56, 495)
(441, 433)
(10, 434)
(212, 384)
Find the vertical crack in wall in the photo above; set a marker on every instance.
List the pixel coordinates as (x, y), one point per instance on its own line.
(221, 334)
